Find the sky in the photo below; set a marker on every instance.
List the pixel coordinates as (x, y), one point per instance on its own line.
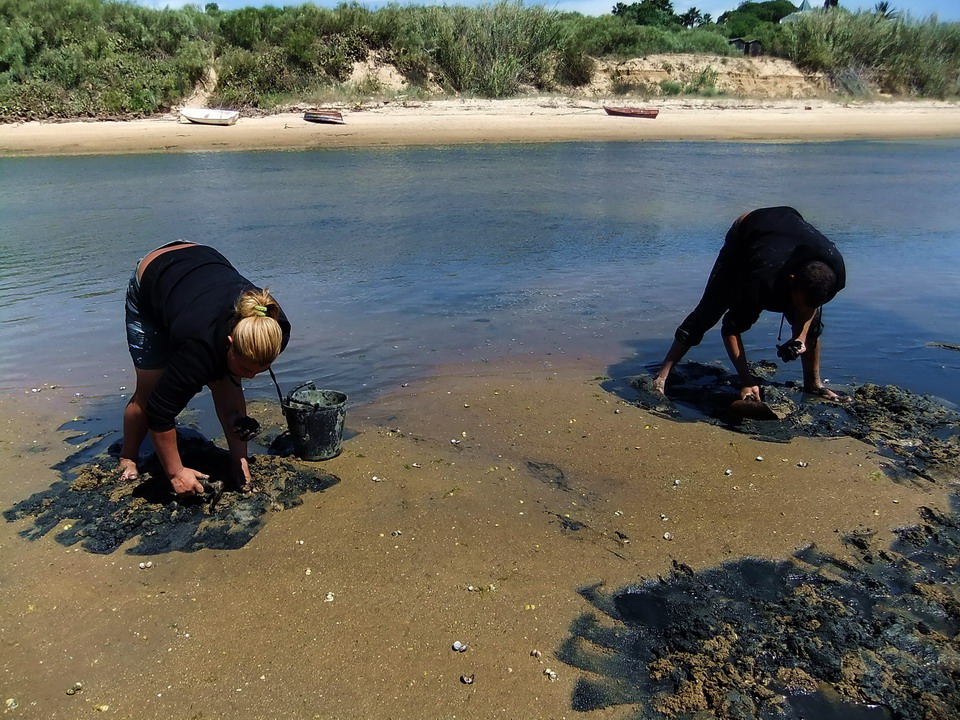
(945, 10)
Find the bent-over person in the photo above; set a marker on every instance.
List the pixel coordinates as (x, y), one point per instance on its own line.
(772, 259)
(193, 320)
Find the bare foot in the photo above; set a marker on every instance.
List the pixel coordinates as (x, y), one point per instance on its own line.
(825, 393)
(128, 470)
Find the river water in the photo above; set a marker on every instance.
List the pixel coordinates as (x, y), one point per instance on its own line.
(390, 262)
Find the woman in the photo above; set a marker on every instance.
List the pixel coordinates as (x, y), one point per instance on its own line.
(193, 320)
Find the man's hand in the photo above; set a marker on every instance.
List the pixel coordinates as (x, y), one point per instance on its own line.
(791, 350)
(750, 392)
(660, 385)
(187, 482)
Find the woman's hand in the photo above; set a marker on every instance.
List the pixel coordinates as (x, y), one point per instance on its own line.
(750, 392)
(242, 481)
(186, 482)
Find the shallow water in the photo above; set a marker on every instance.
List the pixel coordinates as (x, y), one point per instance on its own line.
(390, 262)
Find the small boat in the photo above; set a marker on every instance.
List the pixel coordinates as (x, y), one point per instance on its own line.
(631, 112)
(210, 116)
(324, 115)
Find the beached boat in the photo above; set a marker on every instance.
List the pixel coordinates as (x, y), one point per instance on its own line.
(210, 116)
(324, 115)
(631, 112)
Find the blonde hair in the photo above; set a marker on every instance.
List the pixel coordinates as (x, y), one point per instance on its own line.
(257, 336)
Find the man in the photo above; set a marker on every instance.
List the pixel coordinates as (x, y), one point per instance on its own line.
(772, 259)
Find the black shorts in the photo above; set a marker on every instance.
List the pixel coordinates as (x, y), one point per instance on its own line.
(149, 345)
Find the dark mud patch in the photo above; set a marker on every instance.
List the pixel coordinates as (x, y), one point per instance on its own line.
(549, 474)
(92, 508)
(919, 435)
(872, 635)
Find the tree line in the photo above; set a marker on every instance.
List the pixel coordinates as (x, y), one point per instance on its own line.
(104, 58)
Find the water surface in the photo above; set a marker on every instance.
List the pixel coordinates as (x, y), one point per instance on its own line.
(390, 262)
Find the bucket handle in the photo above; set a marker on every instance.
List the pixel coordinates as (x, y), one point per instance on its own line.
(276, 385)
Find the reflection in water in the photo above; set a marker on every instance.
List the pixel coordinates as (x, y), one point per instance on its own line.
(391, 262)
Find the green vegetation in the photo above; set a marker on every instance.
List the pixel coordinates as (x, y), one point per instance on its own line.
(875, 50)
(101, 58)
(91, 58)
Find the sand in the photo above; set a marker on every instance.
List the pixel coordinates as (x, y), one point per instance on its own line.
(528, 120)
(348, 605)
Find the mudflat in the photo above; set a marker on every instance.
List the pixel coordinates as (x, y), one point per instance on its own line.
(515, 507)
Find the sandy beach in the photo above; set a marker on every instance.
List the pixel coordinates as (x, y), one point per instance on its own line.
(529, 120)
(348, 605)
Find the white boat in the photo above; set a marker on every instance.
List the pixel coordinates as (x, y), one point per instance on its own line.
(210, 116)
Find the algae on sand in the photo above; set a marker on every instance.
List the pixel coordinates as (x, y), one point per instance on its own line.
(105, 513)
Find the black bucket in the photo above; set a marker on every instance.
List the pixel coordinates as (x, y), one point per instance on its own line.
(315, 418)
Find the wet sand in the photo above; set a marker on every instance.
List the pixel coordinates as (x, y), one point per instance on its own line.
(554, 485)
(528, 120)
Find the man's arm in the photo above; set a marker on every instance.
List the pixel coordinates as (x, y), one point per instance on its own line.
(738, 356)
(674, 355)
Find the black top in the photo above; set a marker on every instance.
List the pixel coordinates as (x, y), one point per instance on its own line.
(190, 294)
(771, 244)
(752, 271)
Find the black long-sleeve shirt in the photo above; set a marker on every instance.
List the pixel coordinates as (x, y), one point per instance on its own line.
(190, 294)
(752, 271)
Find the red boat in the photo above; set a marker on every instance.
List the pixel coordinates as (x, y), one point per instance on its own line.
(631, 112)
